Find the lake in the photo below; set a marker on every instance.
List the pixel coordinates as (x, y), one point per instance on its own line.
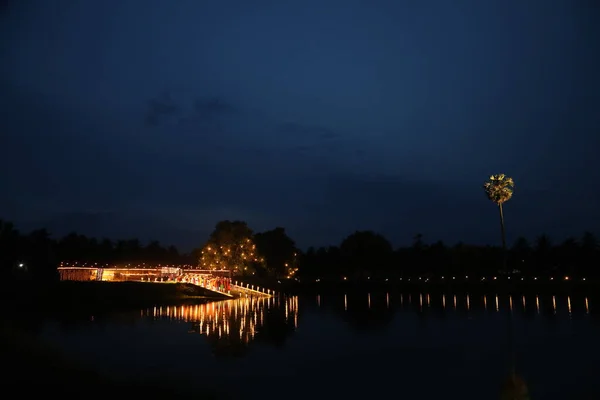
(401, 345)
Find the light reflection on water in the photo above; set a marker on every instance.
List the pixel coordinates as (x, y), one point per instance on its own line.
(353, 336)
(237, 320)
(465, 300)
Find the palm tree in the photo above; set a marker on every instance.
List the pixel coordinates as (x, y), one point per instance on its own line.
(499, 189)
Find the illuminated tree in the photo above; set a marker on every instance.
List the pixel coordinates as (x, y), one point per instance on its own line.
(230, 247)
(499, 189)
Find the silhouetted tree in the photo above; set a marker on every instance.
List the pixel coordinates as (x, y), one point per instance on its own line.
(279, 252)
(366, 252)
(363, 254)
(543, 253)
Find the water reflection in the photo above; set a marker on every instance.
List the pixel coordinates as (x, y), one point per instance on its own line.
(372, 310)
(231, 325)
(587, 307)
(354, 338)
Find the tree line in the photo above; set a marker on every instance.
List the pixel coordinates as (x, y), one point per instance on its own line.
(361, 255)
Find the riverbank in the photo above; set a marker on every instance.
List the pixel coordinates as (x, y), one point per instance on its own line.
(67, 295)
(554, 287)
(538, 285)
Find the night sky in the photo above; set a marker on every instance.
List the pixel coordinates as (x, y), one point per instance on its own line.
(156, 119)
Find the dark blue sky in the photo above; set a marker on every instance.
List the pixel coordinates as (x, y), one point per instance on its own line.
(159, 118)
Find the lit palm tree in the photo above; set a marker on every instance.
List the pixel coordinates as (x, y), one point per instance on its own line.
(499, 189)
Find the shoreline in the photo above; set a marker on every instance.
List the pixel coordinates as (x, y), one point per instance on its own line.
(438, 286)
(89, 296)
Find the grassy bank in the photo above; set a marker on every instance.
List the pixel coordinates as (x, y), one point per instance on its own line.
(86, 295)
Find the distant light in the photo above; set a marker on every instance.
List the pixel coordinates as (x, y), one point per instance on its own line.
(467, 277)
(566, 278)
(386, 279)
(584, 279)
(494, 278)
(21, 265)
(453, 277)
(345, 278)
(535, 279)
(442, 277)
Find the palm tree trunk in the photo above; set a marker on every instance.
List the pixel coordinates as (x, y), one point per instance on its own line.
(503, 237)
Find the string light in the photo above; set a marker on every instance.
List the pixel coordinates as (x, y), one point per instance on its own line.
(237, 256)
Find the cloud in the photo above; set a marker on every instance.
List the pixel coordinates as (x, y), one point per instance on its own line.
(213, 106)
(392, 204)
(120, 225)
(160, 108)
(305, 131)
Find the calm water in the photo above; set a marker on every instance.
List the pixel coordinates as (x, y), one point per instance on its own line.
(404, 345)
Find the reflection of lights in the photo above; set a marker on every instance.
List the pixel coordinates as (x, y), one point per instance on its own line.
(537, 304)
(369, 300)
(238, 319)
(587, 306)
(444, 301)
(387, 300)
(485, 302)
(497, 308)
(524, 305)
(346, 302)
(554, 304)
(468, 303)
(454, 301)
(569, 304)
(420, 300)
(510, 302)
(319, 300)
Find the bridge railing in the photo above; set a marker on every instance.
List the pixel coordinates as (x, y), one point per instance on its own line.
(253, 288)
